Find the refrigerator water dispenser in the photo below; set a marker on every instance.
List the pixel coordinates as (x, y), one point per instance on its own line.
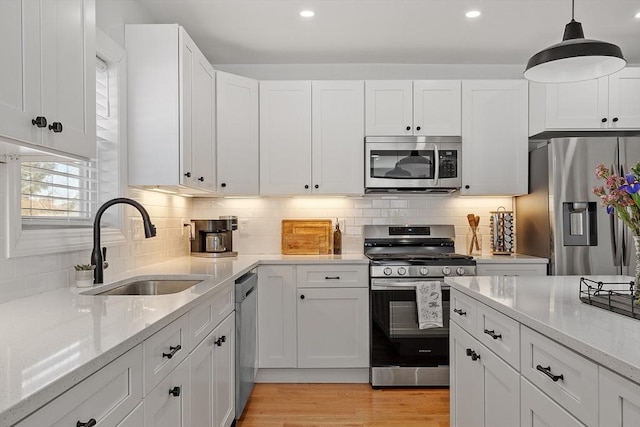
(579, 224)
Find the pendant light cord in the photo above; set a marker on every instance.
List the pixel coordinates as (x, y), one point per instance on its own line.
(573, 6)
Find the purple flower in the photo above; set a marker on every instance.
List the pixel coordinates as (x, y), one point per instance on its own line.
(609, 209)
(632, 186)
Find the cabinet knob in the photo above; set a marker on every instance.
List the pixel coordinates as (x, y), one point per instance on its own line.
(92, 422)
(223, 185)
(418, 128)
(604, 120)
(615, 120)
(301, 296)
(201, 179)
(188, 174)
(408, 127)
(466, 187)
(316, 186)
(175, 392)
(306, 187)
(56, 127)
(40, 122)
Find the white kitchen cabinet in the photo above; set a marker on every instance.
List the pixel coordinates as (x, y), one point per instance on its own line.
(163, 351)
(485, 391)
(213, 377)
(277, 347)
(47, 74)
(420, 107)
(537, 409)
(337, 137)
(494, 137)
(333, 331)
(237, 135)
(208, 314)
(171, 110)
(619, 400)
(607, 103)
(107, 396)
(311, 144)
(168, 405)
(511, 269)
(135, 417)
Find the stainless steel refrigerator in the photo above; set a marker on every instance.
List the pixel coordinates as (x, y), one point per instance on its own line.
(562, 220)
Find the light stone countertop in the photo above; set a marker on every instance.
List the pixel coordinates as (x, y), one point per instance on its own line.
(513, 258)
(551, 305)
(51, 341)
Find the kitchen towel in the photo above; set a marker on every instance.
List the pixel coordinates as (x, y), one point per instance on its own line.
(429, 303)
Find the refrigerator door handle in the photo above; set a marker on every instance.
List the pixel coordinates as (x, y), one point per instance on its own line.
(616, 239)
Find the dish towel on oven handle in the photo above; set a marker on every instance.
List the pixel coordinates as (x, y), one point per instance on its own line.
(429, 303)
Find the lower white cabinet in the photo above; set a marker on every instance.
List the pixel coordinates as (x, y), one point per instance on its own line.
(135, 417)
(619, 400)
(485, 391)
(313, 316)
(106, 397)
(511, 269)
(539, 410)
(212, 377)
(168, 404)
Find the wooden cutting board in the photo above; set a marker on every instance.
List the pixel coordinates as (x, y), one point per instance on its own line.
(306, 236)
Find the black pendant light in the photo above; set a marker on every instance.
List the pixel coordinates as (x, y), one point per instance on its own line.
(575, 58)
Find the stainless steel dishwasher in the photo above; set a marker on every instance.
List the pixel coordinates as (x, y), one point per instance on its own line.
(246, 337)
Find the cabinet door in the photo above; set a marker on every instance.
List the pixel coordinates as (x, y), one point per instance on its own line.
(537, 409)
(333, 328)
(285, 137)
(501, 391)
(68, 74)
(578, 105)
(437, 107)
(619, 400)
(135, 417)
(624, 99)
(465, 383)
(168, 405)
(338, 137)
(388, 107)
(20, 70)
(277, 317)
(212, 377)
(203, 123)
(237, 134)
(494, 137)
(187, 60)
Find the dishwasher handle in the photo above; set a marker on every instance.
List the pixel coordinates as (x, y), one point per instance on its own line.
(245, 285)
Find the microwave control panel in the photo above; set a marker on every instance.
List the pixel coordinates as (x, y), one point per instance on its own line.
(448, 164)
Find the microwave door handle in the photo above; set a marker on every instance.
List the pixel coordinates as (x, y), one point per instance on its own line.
(436, 160)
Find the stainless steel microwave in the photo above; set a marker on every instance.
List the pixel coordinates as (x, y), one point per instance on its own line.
(428, 164)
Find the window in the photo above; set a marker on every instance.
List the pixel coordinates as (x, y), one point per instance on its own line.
(55, 197)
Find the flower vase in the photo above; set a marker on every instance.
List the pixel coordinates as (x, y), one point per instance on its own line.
(636, 242)
(84, 278)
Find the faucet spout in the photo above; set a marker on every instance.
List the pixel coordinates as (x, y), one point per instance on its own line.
(96, 254)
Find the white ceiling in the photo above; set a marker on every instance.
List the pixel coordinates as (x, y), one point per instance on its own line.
(393, 31)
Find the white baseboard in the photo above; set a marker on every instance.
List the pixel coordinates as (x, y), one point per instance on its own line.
(324, 375)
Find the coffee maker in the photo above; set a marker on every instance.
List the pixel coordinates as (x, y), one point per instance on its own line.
(213, 237)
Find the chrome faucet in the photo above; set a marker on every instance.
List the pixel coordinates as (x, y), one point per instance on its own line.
(97, 257)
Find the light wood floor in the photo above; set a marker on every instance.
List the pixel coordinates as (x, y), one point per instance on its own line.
(344, 405)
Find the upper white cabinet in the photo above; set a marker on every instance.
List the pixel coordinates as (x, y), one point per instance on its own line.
(237, 134)
(405, 107)
(311, 143)
(171, 110)
(47, 74)
(494, 137)
(607, 103)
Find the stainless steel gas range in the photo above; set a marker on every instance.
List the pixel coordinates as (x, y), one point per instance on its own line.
(401, 257)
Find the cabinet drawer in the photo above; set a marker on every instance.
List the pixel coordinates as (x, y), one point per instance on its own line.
(169, 404)
(106, 396)
(577, 388)
(163, 351)
(332, 276)
(463, 311)
(206, 316)
(537, 409)
(500, 333)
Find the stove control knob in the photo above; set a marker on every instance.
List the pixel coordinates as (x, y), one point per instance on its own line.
(387, 271)
(460, 271)
(446, 271)
(424, 271)
(402, 271)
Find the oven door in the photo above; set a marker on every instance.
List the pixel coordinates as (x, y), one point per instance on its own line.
(411, 165)
(396, 339)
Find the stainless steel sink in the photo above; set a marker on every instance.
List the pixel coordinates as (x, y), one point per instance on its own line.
(148, 286)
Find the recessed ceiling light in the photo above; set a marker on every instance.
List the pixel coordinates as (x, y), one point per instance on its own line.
(307, 13)
(473, 14)
(637, 15)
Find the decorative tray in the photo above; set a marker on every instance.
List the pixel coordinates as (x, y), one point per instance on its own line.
(613, 296)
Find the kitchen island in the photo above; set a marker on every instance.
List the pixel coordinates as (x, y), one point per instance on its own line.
(530, 348)
(52, 341)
